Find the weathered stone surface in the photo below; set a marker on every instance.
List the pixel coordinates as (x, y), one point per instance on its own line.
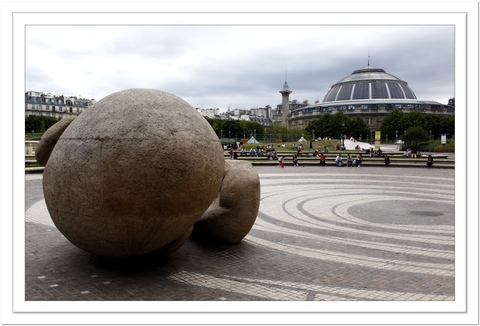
(132, 174)
(233, 213)
(172, 246)
(49, 140)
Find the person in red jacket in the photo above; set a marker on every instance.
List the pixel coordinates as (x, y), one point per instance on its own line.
(322, 159)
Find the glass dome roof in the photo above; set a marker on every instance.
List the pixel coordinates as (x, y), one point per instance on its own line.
(369, 83)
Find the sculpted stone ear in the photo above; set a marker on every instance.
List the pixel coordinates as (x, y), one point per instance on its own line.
(232, 214)
(49, 140)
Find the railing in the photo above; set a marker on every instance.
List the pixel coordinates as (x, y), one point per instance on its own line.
(30, 146)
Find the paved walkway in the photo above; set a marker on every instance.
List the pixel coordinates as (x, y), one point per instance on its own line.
(322, 234)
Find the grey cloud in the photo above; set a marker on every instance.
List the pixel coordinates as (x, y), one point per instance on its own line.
(216, 66)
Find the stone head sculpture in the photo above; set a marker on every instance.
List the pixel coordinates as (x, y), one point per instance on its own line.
(137, 172)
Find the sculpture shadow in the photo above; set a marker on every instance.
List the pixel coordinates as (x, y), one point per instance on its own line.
(131, 265)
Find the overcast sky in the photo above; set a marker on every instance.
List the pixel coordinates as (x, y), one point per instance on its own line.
(234, 66)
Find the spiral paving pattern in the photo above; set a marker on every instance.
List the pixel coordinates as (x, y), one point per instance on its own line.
(324, 209)
(382, 223)
(335, 234)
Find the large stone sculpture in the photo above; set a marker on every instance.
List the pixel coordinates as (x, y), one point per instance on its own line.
(134, 173)
(231, 216)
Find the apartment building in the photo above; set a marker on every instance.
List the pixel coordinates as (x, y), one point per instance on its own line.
(57, 106)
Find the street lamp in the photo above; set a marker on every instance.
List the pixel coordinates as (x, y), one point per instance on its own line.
(343, 138)
(313, 133)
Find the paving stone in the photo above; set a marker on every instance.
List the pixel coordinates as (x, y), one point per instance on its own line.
(320, 235)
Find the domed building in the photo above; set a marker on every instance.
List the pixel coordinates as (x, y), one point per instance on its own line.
(369, 84)
(368, 92)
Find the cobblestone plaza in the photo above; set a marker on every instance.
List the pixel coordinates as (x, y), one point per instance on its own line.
(322, 234)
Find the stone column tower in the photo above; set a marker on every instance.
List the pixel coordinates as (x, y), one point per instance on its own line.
(285, 104)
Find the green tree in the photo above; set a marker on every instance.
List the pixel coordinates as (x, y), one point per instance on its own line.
(434, 124)
(339, 124)
(323, 126)
(447, 125)
(307, 133)
(39, 124)
(417, 119)
(31, 123)
(274, 131)
(357, 126)
(414, 135)
(245, 128)
(397, 121)
(235, 129)
(329, 125)
(394, 123)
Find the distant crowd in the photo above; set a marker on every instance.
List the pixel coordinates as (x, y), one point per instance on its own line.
(268, 151)
(271, 153)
